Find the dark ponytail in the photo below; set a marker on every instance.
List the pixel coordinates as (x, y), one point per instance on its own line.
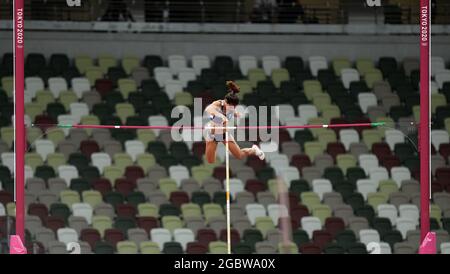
(233, 89)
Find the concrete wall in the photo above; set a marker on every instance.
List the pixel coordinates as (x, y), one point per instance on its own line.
(140, 44)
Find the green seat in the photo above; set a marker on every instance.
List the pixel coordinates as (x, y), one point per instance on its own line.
(371, 136)
(436, 212)
(33, 160)
(121, 161)
(105, 62)
(330, 111)
(127, 247)
(437, 100)
(8, 85)
(126, 86)
(167, 186)
(44, 97)
(279, 75)
(345, 161)
(211, 210)
(217, 247)
(69, 197)
(124, 110)
(147, 210)
(256, 75)
(101, 223)
(34, 109)
(327, 136)
(112, 173)
(287, 248)
(92, 197)
(191, 210)
(312, 87)
(416, 113)
(322, 212)
(264, 224)
(171, 223)
(129, 63)
(93, 74)
(310, 199)
(148, 247)
(339, 64)
(313, 149)
(363, 65)
(388, 186)
(202, 172)
(377, 198)
(67, 97)
(245, 88)
(146, 136)
(83, 62)
(145, 161)
(183, 99)
(373, 76)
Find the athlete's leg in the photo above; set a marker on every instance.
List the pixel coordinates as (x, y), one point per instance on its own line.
(210, 151)
(239, 153)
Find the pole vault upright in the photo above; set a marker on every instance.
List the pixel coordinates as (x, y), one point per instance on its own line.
(19, 127)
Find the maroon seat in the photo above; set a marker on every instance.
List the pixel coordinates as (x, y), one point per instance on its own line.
(196, 248)
(390, 161)
(44, 122)
(126, 210)
(310, 248)
(362, 121)
(54, 223)
(113, 236)
(321, 238)
(178, 198)
(436, 187)
(444, 150)
(298, 212)
(338, 120)
(255, 163)
(39, 210)
(284, 136)
(219, 173)
(300, 161)
(286, 222)
(133, 173)
(91, 236)
(124, 186)
(206, 235)
(104, 86)
(433, 150)
(147, 223)
(442, 173)
(87, 147)
(198, 149)
(235, 236)
(334, 149)
(293, 199)
(381, 149)
(103, 185)
(254, 186)
(6, 197)
(334, 225)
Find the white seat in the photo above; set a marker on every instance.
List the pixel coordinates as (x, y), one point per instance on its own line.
(33, 85)
(83, 210)
(254, 211)
(66, 119)
(434, 87)
(236, 186)
(67, 235)
(441, 77)
(80, 85)
(160, 236)
(393, 137)
(176, 62)
(378, 174)
(279, 161)
(173, 87)
(200, 62)
(270, 149)
(44, 148)
(289, 174)
(183, 236)
(306, 112)
(322, 186)
(367, 161)
(270, 63)
(388, 211)
(28, 172)
(366, 186)
(2, 210)
(67, 173)
(293, 121)
(385, 248)
(367, 236)
(247, 62)
(101, 160)
(27, 119)
(134, 148)
(311, 224)
(437, 65)
(157, 120)
(409, 211)
(8, 161)
(162, 75)
(348, 136)
(185, 75)
(284, 111)
(56, 85)
(178, 173)
(366, 100)
(349, 75)
(317, 63)
(399, 174)
(78, 110)
(445, 248)
(404, 225)
(439, 137)
(276, 211)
